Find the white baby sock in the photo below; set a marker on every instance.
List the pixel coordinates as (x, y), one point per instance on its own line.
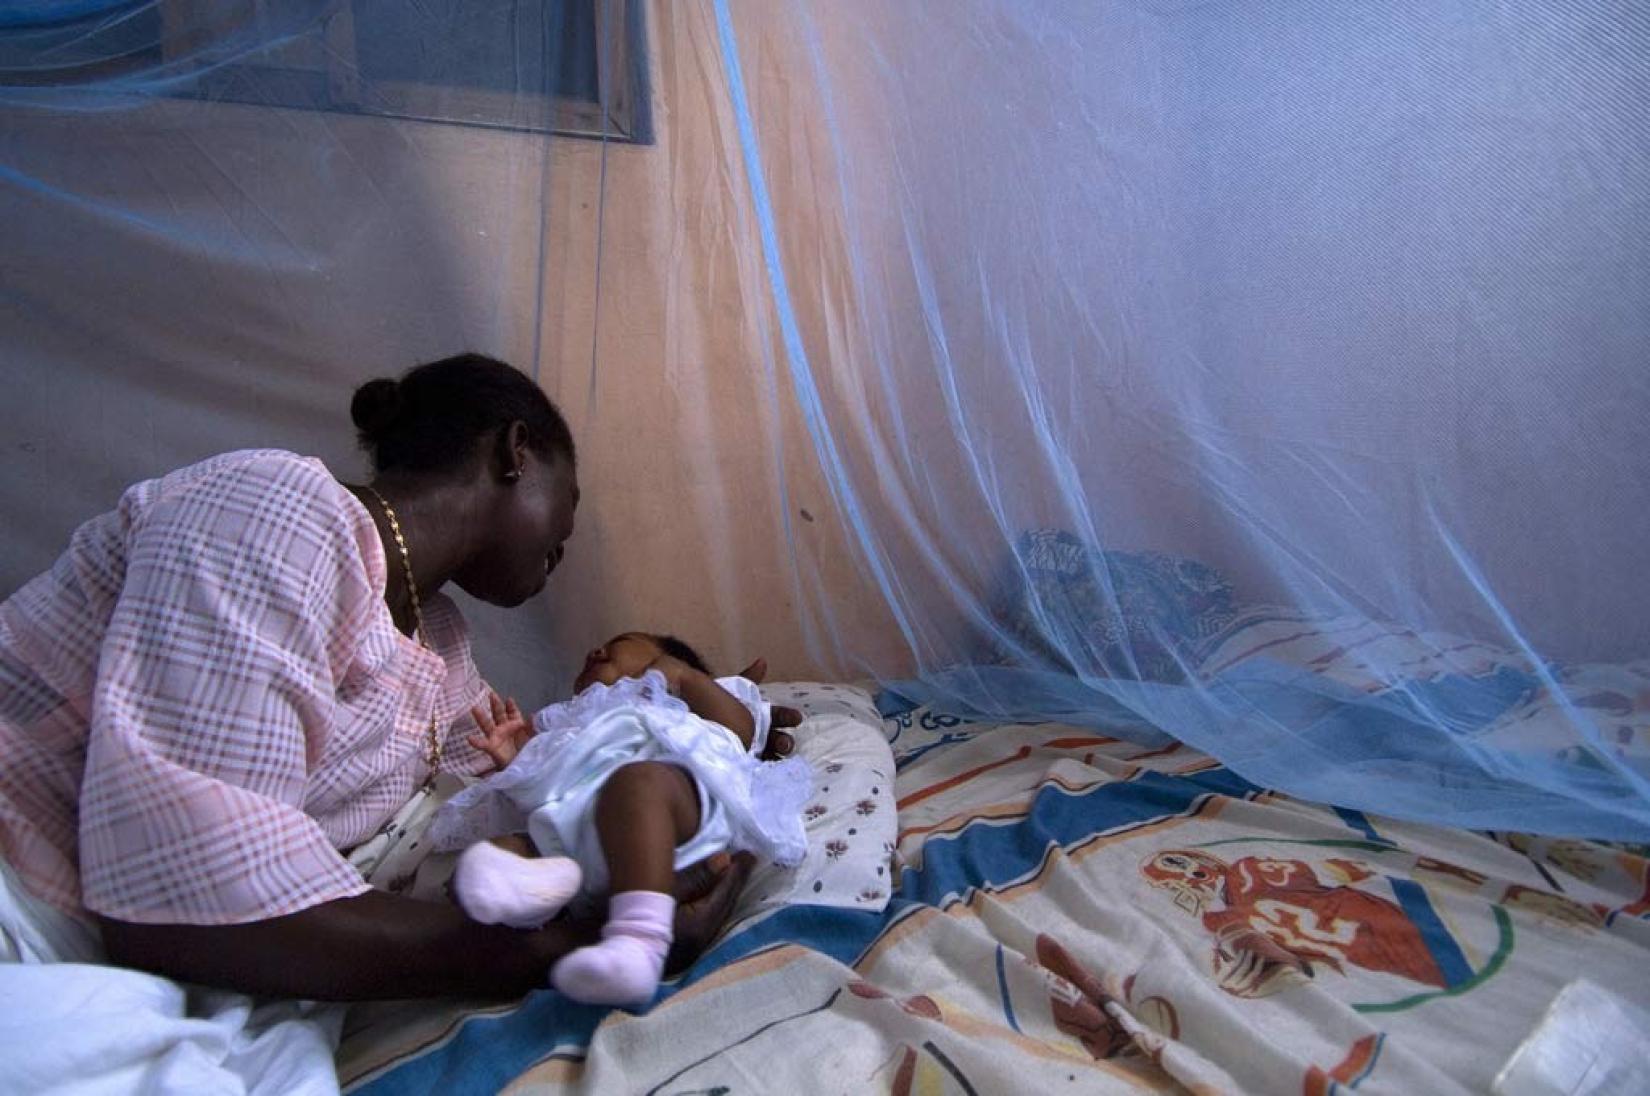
(497, 887)
(624, 969)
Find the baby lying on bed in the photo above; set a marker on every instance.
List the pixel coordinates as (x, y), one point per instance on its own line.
(652, 766)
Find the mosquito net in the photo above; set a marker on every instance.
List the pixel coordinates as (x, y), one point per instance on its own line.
(1271, 377)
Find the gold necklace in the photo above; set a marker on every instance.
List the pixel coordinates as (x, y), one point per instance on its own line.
(432, 751)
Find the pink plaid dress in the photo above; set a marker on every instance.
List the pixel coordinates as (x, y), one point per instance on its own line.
(205, 699)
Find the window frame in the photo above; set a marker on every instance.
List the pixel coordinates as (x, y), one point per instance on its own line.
(621, 77)
(622, 112)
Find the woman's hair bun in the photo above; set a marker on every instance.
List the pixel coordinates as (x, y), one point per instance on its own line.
(374, 407)
(433, 419)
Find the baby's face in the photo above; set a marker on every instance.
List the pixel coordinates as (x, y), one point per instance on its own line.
(627, 655)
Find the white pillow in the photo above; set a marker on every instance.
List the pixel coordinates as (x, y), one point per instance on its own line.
(850, 819)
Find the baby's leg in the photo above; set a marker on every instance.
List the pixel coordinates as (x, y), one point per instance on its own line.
(502, 883)
(642, 813)
(518, 843)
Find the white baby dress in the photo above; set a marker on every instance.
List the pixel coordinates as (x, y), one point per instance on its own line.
(549, 790)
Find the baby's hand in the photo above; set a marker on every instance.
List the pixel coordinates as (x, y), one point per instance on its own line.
(504, 730)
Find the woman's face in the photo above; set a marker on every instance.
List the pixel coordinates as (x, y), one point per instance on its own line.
(528, 528)
(627, 655)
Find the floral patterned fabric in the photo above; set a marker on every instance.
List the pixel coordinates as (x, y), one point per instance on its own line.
(850, 819)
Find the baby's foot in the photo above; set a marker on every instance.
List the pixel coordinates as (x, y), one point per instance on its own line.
(497, 887)
(621, 970)
(624, 969)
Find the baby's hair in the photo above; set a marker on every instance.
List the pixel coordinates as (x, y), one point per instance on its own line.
(676, 649)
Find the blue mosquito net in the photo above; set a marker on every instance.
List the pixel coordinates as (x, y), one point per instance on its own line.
(1271, 377)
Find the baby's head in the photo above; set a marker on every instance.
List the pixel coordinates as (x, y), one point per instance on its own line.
(629, 655)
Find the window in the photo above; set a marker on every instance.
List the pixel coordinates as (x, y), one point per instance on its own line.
(565, 66)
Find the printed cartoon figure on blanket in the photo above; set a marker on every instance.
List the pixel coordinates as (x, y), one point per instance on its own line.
(1273, 919)
(1083, 1007)
(653, 766)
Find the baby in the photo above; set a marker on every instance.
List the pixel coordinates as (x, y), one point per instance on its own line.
(652, 766)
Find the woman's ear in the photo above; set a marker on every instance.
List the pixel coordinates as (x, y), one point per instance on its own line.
(510, 455)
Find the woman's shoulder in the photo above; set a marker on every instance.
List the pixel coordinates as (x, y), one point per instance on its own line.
(253, 467)
(288, 505)
(261, 484)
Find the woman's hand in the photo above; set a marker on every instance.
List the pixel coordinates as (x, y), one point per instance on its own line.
(504, 730)
(705, 896)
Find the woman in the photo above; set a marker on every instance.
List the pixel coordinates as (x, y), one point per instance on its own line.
(248, 667)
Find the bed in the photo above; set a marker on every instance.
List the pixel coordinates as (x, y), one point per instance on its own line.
(1070, 911)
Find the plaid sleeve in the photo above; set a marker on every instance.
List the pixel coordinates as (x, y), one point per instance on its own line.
(216, 687)
(463, 688)
(458, 756)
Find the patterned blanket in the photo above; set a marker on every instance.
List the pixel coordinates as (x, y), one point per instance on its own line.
(1075, 913)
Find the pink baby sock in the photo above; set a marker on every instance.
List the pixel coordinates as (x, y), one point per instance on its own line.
(624, 969)
(497, 887)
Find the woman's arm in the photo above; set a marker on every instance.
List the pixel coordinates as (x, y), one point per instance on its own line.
(378, 945)
(374, 945)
